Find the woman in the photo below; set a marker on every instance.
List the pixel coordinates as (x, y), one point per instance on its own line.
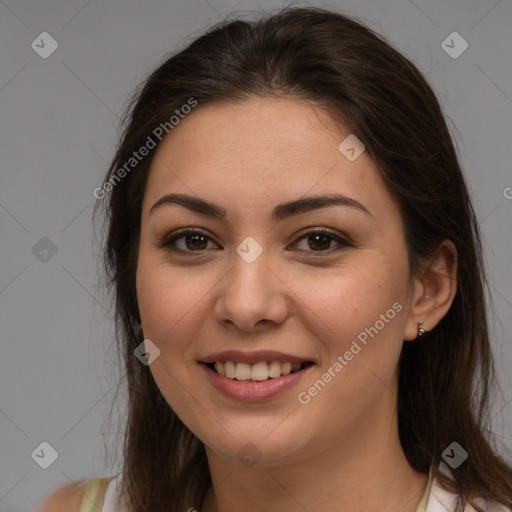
(299, 284)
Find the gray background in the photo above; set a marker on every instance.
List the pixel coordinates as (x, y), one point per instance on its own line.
(59, 125)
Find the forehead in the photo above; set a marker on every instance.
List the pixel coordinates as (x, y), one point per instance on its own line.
(289, 129)
(261, 149)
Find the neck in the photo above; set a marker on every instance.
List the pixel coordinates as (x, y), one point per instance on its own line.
(366, 470)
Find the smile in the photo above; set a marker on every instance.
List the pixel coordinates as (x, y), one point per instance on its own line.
(263, 387)
(261, 371)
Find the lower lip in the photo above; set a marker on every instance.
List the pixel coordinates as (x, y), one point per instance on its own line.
(251, 391)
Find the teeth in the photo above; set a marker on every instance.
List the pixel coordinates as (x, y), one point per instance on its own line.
(243, 371)
(229, 368)
(286, 368)
(258, 372)
(275, 369)
(219, 368)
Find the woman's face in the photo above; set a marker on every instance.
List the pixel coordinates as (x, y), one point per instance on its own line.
(258, 276)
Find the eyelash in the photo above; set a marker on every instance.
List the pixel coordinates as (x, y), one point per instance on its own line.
(168, 243)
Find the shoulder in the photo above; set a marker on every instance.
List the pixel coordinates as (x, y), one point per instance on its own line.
(70, 497)
(441, 500)
(65, 499)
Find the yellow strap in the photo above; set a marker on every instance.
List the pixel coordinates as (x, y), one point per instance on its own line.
(94, 494)
(422, 507)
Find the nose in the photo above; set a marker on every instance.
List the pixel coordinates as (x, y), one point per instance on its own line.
(252, 296)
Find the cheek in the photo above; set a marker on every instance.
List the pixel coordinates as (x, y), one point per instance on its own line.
(168, 302)
(359, 321)
(167, 293)
(344, 303)
(170, 310)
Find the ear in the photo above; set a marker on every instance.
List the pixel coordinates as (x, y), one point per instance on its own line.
(434, 291)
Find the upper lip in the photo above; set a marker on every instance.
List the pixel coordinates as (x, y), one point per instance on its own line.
(253, 357)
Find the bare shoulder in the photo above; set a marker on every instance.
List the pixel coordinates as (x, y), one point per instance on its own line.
(67, 498)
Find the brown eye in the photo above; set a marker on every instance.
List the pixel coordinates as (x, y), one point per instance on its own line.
(186, 241)
(189, 241)
(321, 241)
(194, 241)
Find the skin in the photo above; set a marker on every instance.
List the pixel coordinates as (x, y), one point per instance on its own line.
(341, 451)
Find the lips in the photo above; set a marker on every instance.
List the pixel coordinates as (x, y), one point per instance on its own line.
(255, 376)
(254, 390)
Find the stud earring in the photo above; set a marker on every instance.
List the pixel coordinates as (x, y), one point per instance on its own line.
(421, 331)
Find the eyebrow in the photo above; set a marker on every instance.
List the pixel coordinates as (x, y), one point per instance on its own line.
(281, 212)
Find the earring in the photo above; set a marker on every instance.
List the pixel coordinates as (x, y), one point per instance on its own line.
(421, 331)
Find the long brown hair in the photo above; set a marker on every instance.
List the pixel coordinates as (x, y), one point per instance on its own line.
(445, 380)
